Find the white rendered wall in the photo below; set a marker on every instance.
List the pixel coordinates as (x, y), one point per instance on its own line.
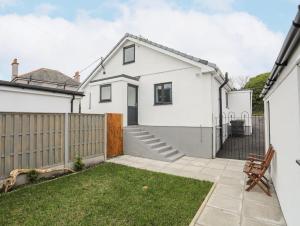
(191, 102)
(23, 100)
(191, 89)
(118, 102)
(284, 136)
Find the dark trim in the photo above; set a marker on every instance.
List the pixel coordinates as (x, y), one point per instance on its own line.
(39, 88)
(116, 76)
(124, 49)
(298, 162)
(171, 96)
(290, 43)
(105, 100)
(221, 109)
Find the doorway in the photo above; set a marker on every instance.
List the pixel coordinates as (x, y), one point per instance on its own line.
(132, 104)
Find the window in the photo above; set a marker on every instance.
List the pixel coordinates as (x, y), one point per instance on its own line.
(226, 99)
(129, 54)
(105, 93)
(163, 93)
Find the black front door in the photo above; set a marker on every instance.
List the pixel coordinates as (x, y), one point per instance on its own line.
(132, 104)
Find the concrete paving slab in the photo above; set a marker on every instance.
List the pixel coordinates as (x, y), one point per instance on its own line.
(229, 190)
(216, 165)
(263, 213)
(231, 181)
(216, 217)
(226, 203)
(234, 174)
(211, 171)
(251, 222)
(238, 168)
(260, 197)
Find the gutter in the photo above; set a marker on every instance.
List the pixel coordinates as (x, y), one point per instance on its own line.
(289, 45)
(221, 109)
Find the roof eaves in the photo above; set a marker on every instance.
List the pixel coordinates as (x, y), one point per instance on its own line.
(40, 88)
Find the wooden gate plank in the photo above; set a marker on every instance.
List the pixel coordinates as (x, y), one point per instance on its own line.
(114, 135)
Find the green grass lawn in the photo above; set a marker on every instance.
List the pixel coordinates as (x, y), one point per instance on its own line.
(108, 194)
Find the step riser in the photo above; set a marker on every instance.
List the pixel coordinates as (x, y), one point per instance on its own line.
(144, 137)
(172, 153)
(152, 141)
(164, 149)
(139, 133)
(157, 145)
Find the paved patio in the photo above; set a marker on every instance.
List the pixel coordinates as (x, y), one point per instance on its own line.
(229, 204)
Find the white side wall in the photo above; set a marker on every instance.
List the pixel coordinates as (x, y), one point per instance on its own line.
(25, 100)
(284, 133)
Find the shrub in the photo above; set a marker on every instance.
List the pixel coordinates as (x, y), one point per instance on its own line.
(32, 176)
(78, 164)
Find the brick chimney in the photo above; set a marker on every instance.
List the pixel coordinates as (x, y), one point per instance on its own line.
(14, 69)
(77, 76)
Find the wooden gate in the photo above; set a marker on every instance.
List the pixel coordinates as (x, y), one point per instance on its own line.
(114, 135)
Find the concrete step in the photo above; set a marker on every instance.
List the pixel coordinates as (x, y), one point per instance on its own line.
(144, 137)
(151, 141)
(169, 152)
(139, 133)
(157, 144)
(174, 157)
(163, 148)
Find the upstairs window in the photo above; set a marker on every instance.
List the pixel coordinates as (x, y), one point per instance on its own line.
(129, 54)
(105, 93)
(163, 93)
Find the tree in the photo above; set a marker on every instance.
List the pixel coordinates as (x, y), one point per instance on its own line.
(241, 81)
(257, 84)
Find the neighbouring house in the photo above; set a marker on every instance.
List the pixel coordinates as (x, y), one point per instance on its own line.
(170, 97)
(42, 90)
(281, 95)
(45, 77)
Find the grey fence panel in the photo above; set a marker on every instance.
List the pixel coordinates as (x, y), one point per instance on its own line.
(86, 135)
(36, 140)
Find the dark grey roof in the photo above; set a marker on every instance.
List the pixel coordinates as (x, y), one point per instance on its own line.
(40, 88)
(116, 76)
(190, 57)
(48, 75)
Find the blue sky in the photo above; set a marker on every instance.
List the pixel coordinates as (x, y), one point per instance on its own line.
(242, 37)
(276, 14)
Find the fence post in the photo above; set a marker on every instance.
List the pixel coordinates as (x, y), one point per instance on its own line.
(66, 140)
(105, 136)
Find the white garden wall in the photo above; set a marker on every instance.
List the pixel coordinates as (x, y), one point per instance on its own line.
(27, 100)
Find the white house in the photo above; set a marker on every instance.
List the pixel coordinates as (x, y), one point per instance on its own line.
(172, 96)
(282, 119)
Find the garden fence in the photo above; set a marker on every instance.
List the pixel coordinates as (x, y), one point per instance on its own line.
(36, 140)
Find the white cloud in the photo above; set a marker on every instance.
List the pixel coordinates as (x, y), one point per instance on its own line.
(237, 42)
(216, 5)
(45, 9)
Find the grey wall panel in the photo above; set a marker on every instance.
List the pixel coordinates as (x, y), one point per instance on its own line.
(191, 141)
